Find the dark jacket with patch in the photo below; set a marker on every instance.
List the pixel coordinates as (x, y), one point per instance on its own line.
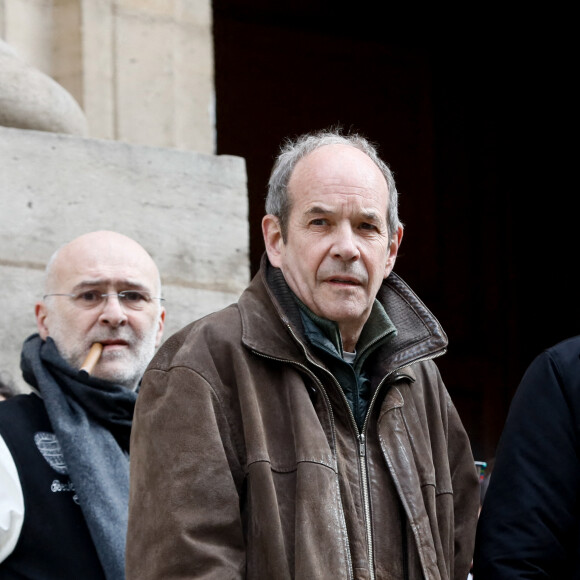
(54, 541)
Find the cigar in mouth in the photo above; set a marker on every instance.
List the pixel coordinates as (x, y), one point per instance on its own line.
(92, 358)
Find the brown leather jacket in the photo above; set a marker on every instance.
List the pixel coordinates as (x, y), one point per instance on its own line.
(246, 461)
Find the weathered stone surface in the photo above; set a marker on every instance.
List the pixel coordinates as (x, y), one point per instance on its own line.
(29, 99)
(142, 71)
(189, 210)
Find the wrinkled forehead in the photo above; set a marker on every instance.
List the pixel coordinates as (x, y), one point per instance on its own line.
(103, 263)
(339, 170)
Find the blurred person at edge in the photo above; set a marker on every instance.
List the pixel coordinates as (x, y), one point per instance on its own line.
(311, 434)
(529, 526)
(64, 447)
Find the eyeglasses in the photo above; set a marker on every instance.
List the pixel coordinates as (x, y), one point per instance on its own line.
(133, 299)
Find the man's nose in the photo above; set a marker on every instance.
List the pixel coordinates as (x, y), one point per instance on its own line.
(113, 312)
(345, 244)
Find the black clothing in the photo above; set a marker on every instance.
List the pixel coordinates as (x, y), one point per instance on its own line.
(54, 541)
(529, 525)
(89, 421)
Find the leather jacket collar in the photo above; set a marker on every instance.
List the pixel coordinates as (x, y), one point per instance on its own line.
(419, 334)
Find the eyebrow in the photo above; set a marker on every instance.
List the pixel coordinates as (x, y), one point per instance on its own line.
(316, 210)
(129, 284)
(369, 215)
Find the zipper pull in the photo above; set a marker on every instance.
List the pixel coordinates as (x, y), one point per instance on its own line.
(362, 448)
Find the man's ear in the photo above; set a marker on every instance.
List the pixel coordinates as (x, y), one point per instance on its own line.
(41, 315)
(161, 326)
(273, 241)
(393, 250)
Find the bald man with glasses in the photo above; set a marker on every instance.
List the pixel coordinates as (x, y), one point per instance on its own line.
(64, 448)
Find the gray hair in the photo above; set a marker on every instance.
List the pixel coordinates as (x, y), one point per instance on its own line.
(278, 201)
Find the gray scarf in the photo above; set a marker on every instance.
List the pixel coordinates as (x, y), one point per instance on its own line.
(92, 420)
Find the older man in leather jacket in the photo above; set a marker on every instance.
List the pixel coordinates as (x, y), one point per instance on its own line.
(305, 432)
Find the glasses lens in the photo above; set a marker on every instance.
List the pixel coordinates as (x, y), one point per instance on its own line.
(134, 299)
(88, 299)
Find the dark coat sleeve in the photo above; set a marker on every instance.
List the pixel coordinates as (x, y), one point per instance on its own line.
(529, 522)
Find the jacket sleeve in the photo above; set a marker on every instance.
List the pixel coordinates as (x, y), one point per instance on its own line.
(184, 515)
(529, 522)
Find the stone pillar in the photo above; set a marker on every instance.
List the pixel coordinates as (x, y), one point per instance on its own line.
(141, 70)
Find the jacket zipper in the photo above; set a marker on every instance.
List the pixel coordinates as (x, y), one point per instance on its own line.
(366, 502)
(360, 436)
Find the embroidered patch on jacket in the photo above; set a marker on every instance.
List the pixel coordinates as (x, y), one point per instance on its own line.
(49, 446)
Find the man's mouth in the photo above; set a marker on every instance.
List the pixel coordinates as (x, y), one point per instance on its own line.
(113, 344)
(346, 281)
